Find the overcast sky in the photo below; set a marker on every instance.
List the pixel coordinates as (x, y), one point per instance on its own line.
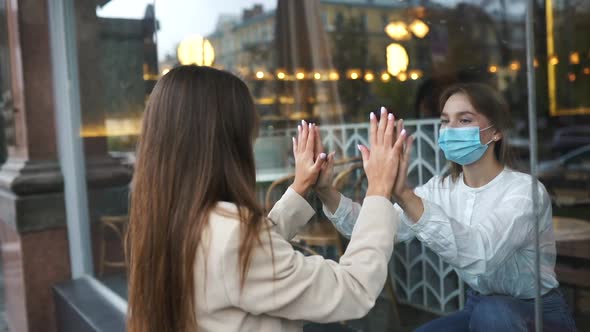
(181, 18)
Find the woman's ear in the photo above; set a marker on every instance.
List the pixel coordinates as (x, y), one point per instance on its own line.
(497, 136)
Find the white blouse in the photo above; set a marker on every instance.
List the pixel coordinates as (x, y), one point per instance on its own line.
(485, 233)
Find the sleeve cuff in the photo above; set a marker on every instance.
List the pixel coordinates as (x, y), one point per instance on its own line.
(343, 209)
(418, 227)
(298, 204)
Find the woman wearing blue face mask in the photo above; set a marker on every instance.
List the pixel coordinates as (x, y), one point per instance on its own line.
(479, 219)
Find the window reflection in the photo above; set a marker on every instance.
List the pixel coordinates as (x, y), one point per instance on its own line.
(333, 61)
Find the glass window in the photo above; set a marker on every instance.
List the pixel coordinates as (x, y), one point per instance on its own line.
(332, 62)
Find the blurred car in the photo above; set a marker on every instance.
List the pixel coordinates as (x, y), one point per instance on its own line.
(570, 138)
(567, 178)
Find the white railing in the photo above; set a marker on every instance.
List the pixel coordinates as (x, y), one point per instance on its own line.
(421, 278)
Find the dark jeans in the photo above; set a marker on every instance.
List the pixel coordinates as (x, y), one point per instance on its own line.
(505, 313)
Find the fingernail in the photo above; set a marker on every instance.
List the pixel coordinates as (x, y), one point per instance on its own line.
(403, 132)
(303, 122)
(310, 125)
(383, 110)
(293, 140)
(372, 116)
(359, 147)
(322, 155)
(390, 116)
(299, 127)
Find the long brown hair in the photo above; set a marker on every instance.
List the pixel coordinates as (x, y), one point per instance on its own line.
(487, 101)
(195, 149)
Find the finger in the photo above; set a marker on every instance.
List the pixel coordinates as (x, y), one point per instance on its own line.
(294, 147)
(319, 147)
(304, 133)
(372, 129)
(389, 134)
(310, 146)
(402, 174)
(365, 153)
(382, 125)
(408, 148)
(299, 131)
(400, 126)
(319, 162)
(399, 144)
(329, 162)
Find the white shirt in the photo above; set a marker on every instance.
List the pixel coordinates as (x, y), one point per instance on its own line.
(485, 233)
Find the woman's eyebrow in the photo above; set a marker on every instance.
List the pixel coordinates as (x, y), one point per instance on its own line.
(459, 114)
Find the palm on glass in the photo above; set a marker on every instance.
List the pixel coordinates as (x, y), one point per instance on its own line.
(324, 181)
(307, 166)
(401, 187)
(382, 161)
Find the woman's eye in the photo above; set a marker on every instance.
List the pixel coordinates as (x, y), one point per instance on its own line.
(465, 121)
(444, 121)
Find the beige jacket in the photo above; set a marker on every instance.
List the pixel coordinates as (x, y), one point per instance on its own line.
(280, 296)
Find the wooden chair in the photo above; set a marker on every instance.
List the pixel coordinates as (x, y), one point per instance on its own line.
(352, 182)
(117, 226)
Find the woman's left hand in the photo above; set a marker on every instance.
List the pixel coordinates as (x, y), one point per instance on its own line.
(306, 169)
(401, 190)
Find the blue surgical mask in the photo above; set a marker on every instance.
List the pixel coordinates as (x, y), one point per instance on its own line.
(462, 145)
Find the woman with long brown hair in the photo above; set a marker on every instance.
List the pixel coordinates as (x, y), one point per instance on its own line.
(479, 218)
(203, 257)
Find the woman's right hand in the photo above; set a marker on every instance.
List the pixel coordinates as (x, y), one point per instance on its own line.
(381, 162)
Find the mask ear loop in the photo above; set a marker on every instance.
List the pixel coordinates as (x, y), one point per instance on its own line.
(486, 128)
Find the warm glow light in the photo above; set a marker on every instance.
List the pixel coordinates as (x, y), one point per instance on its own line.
(317, 76)
(571, 77)
(300, 75)
(385, 77)
(514, 65)
(575, 58)
(402, 77)
(281, 75)
(397, 59)
(165, 71)
(369, 77)
(493, 69)
(397, 31)
(536, 63)
(587, 70)
(354, 76)
(419, 28)
(415, 74)
(334, 76)
(259, 74)
(553, 60)
(195, 50)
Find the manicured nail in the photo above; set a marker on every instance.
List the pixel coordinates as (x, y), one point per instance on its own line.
(310, 126)
(293, 140)
(383, 110)
(403, 132)
(303, 122)
(359, 147)
(372, 116)
(322, 155)
(390, 116)
(299, 127)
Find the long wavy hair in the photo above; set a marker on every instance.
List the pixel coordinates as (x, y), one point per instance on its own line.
(487, 101)
(194, 150)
